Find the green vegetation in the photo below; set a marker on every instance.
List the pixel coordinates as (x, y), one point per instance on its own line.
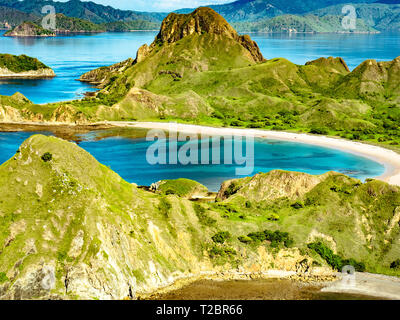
(275, 237)
(47, 157)
(182, 187)
(3, 277)
(202, 215)
(164, 207)
(395, 264)
(20, 63)
(75, 218)
(68, 24)
(221, 237)
(334, 260)
(91, 11)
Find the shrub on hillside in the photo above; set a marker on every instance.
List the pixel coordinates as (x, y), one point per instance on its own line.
(47, 157)
(319, 131)
(221, 237)
(334, 260)
(395, 265)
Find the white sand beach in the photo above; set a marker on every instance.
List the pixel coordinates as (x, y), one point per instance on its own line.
(374, 285)
(388, 158)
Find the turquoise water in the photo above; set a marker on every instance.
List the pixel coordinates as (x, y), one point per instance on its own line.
(70, 57)
(127, 157)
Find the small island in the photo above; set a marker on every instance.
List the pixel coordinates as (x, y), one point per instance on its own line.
(18, 67)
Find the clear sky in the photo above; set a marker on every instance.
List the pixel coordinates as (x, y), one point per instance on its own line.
(157, 5)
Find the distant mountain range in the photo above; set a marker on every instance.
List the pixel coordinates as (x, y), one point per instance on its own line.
(252, 10)
(246, 15)
(308, 15)
(84, 10)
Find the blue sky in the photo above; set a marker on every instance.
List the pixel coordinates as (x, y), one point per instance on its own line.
(157, 5)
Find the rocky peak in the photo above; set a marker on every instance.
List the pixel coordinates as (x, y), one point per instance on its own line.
(203, 20)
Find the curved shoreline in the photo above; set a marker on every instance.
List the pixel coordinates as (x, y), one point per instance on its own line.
(388, 158)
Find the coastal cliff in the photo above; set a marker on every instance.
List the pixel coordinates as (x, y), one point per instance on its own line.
(23, 67)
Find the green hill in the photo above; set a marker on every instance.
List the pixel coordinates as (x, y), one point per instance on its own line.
(20, 63)
(71, 233)
(67, 24)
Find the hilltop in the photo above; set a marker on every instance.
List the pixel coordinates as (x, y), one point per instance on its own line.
(70, 233)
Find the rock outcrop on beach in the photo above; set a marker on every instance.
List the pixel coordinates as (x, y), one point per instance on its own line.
(67, 232)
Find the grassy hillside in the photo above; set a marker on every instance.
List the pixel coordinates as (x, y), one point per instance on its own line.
(66, 232)
(356, 220)
(68, 24)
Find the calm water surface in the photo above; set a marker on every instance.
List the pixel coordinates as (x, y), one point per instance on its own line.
(127, 157)
(70, 57)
